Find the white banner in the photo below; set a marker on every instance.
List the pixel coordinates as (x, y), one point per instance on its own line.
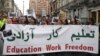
(29, 39)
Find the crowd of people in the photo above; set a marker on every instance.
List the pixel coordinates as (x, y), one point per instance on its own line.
(42, 20)
(29, 20)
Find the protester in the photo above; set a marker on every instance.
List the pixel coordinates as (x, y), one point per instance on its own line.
(92, 21)
(2, 21)
(23, 20)
(66, 22)
(60, 22)
(44, 21)
(38, 19)
(71, 22)
(48, 19)
(9, 21)
(2, 28)
(14, 20)
(75, 20)
(20, 20)
(32, 21)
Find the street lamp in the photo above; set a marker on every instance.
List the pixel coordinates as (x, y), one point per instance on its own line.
(23, 7)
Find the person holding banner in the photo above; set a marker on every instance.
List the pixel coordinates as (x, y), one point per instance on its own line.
(9, 21)
(2, 21)
(14, 20)
(2, 27)
(32, 21)
(23, 20)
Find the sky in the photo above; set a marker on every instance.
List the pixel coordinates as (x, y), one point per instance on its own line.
(19, 3)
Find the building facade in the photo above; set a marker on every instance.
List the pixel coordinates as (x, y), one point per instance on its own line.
(78, 9)
(17, 10)
(94, 10)
(83, 10)
(1, 4)
(9, 6)
(41, 7)
(57, 5)
(58, 9)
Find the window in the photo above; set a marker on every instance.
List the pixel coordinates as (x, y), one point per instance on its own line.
(7, 4)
